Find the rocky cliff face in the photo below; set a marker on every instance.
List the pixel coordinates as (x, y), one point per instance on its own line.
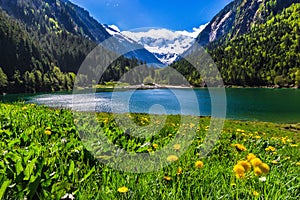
(239, 17)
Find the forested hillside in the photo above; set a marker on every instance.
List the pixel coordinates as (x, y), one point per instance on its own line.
(44, 42)
(267, 55)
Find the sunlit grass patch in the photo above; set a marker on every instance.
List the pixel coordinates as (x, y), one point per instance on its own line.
(43, 157)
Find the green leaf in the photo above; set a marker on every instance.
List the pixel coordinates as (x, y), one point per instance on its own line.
(88, 174)
(3, 188)
(72, 167)
(19, 167)
(29, 169)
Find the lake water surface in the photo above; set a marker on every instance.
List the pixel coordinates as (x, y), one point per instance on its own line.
(275, 105)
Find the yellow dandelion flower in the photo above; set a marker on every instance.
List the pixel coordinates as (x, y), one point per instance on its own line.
(172, 158)
(155, 146)
(283, 140)
(246, 165)
(179, 170)
(257, 137)
(24, 108)
(298, 163)
(176, 146)
(264, 168)
(238, 130)
(167, 178)
(47, 132)
(199, 164)
(257, 171)
(149, 150)
(240, 175)
(256, 162)
(250, 156)
(255, 193)
(240, 147)
(238, 169)
(270, 148)
(123, 189)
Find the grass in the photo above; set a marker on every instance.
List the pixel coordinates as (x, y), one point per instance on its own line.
(43, 157)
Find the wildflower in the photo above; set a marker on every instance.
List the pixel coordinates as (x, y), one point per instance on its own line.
(270, 148)
(238, 169)
(240, 147)
(64, 140)
(167, 178)
(256, 162)
(238, 130)
(24, 108)
(123, 189)
(283, 140)
(246, 165)
(250, 156)
(257, 137)
(149, 150)
(68, 196)
(262, 179)
(199, 164)
(176, 146)
(255, 193)
(172, 158)
(264, 168)
(240, 175)
(257, 171)
(179, 171)
(47, 132)
(274, 162)
(298, 163)
(155, 146)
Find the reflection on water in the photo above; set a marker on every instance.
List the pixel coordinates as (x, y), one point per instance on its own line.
(276, 105)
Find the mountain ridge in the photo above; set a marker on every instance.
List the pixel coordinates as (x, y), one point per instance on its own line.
(165, 44)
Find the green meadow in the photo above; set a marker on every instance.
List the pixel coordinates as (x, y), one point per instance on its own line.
(48, 153)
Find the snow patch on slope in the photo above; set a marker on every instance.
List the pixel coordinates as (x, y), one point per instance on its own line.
(215, 27)
(165, 44)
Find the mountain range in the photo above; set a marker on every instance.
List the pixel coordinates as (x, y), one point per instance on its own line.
(46, 41)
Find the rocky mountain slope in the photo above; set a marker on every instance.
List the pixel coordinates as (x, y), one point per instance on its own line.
(238, 17)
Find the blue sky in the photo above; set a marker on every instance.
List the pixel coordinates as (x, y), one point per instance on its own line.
(135, 14)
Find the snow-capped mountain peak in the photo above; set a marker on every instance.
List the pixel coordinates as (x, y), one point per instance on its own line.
(141, 53)
(164, 44)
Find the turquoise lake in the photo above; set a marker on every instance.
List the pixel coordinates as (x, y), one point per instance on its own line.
(255, 104)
